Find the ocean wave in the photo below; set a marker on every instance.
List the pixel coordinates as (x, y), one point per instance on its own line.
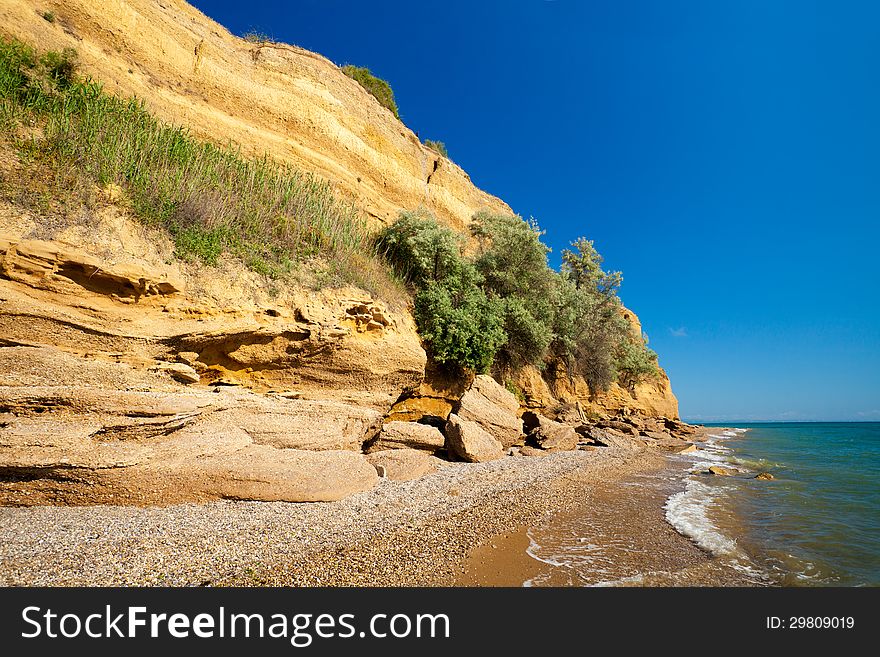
(688, 513)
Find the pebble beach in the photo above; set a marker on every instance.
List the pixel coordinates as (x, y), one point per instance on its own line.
(414, 533)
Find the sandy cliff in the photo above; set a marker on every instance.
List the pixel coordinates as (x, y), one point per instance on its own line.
(127, 376)
(268, 98)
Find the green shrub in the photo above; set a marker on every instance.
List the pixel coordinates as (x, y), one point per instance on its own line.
(377, 87)
(635, 361)
(48, 16)
(437, 146)
(420, 250)
(583, 267)
(512, 262)
(463, 328)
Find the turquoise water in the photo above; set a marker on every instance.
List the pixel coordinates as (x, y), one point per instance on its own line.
(817, 523)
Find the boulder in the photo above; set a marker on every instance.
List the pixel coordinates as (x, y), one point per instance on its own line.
(721, 472)
(688, 450)
(548, 434)
(403, 464)
(591, 435)
(470, 442)
(260, 472)
(677, 426)
(492, 407)
(569, 413)
(179, 372)
(532, 451)
(765, 476)
(299, 423)
(408, 435)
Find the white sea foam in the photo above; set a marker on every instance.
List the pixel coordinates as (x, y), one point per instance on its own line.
(687, 511)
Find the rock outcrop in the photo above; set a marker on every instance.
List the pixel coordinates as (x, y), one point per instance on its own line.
(64, 444)
(126, 307)
(126, 380)
(549, 435)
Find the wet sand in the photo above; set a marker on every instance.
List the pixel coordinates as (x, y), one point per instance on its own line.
(618, 535)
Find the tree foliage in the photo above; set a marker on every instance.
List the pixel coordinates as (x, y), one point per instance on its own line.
(504, 307)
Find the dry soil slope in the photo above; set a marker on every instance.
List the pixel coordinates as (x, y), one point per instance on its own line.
(275, 98)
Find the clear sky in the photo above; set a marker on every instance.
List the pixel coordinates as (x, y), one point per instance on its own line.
(724, 155)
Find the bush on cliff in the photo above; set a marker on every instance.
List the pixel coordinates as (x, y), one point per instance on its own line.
(504, 307)
(377, 87)
(459, 324)
(512, 261)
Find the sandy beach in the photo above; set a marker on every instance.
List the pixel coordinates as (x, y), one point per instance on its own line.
(463, 525)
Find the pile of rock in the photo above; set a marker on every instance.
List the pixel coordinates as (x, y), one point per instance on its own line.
(87, 445)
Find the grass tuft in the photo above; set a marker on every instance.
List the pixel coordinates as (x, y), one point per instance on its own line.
(438, 147)
(377, 87)
(210, 198)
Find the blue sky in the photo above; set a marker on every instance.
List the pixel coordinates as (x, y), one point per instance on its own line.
(724, 155)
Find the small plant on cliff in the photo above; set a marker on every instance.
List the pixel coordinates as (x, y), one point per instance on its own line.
(255, 36)
(377, 87)
(437, 146)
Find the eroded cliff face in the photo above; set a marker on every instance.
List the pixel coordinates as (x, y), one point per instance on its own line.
(128, 376)
(269, 98)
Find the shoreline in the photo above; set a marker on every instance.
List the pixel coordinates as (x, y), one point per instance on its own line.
(416, 533)
(626, 538)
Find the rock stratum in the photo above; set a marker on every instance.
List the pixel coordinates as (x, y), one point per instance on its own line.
(130, 377)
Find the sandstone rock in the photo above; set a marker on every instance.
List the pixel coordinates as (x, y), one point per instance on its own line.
(688, 450)
(532, 451)
(720, 471)
(657, 435)
(569, 413)
(548, 434)
(404, 464)
(298, 423)
(621, 426)
(63, 267)
(259, 472)
(765, 476)
(493, 408)
(413, 435)
(180, 372)
(440, 390)
(593, 435)
(677, 426)
(470, 442)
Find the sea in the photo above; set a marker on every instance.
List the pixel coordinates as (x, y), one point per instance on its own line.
(815, 523)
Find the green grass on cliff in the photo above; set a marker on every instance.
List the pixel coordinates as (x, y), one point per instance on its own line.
(378, 88)
(72, 137)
